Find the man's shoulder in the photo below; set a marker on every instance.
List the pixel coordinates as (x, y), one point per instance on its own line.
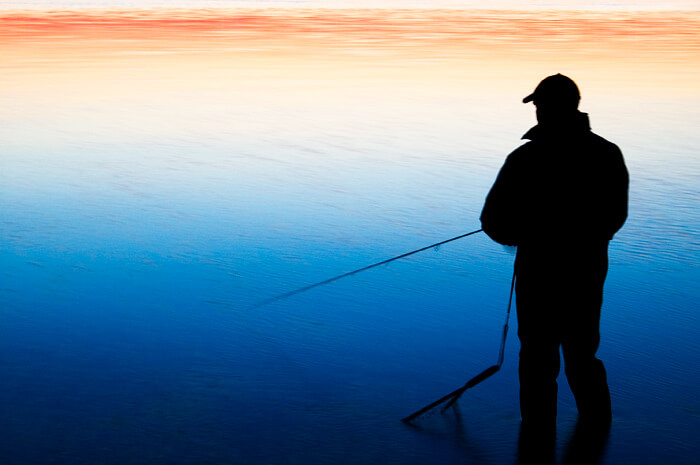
(523, 151)
(602, 144)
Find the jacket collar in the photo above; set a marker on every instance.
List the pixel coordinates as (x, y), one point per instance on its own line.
(579, 123)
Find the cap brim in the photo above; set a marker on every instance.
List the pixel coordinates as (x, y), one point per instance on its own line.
(529, 98)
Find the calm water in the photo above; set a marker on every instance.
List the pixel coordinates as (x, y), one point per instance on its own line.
(162, 171)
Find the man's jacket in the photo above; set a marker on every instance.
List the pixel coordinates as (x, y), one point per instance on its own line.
(566, 185)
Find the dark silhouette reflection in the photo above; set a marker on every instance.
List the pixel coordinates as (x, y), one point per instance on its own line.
(449, 426)
(559, 198)
(587, 445)
(536, 447)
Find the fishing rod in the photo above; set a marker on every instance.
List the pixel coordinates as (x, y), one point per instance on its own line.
(359, 270)
(454, 396)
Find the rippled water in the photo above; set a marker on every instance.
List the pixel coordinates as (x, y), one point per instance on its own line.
(161, 171)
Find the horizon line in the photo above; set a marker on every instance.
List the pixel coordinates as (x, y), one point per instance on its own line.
(57, 8)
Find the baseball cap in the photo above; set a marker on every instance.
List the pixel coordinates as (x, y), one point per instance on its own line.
(557, 89)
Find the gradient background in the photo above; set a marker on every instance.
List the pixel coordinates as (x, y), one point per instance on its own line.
(165, 165)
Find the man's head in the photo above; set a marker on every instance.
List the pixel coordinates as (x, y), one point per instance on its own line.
(555, 97)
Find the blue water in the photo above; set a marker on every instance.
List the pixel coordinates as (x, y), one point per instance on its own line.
(130, 258)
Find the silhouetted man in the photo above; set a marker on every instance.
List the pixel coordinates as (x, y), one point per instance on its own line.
(559, 198)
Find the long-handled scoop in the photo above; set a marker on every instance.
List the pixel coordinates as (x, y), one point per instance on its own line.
(453, 396)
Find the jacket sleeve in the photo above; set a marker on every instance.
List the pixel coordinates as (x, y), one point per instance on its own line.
(618, 193)
(499, 218)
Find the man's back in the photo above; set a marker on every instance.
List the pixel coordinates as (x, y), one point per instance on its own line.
(566, 186)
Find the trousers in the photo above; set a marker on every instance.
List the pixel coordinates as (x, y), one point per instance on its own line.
(559, 294)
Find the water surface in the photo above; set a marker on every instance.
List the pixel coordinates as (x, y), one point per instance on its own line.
(163, 170)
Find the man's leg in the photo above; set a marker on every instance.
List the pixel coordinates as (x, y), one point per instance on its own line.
(539, 357)
(539, 367)
(581, 337)
(588, 382)
(586, 374)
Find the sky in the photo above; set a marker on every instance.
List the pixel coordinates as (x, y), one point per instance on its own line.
(466, 4)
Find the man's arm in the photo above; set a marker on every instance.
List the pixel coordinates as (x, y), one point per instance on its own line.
(499, 218)
(618, 194)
